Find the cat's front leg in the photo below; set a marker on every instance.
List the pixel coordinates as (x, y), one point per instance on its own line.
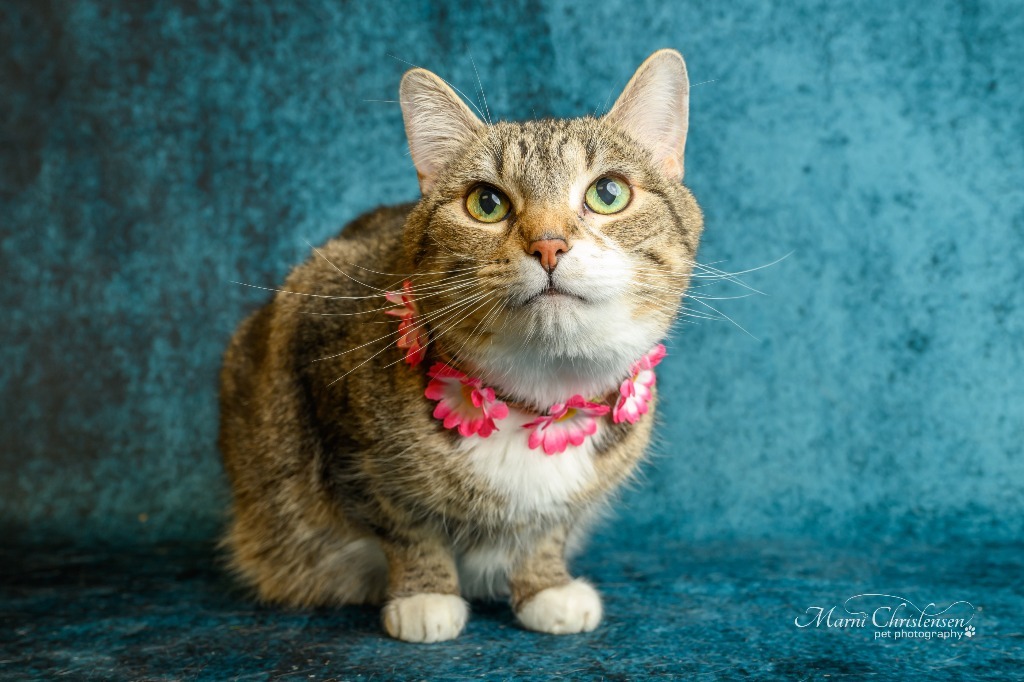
(423, 590)
(545, 597)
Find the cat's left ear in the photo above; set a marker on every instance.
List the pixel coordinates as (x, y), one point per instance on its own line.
(437, 122)
(654, 109)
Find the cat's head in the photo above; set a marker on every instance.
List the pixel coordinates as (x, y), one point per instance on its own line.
(552, 254)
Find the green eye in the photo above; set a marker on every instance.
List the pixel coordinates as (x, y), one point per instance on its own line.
(607, 196)
(487, 204)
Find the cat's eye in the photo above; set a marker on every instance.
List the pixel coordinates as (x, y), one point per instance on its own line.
(607, 195)
(487, 204)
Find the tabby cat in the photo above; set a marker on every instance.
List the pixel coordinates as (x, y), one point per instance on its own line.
(440, 400)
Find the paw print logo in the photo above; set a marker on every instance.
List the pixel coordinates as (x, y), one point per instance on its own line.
(969, 631)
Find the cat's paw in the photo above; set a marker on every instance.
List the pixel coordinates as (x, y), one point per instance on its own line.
(562, 610)
(425, 617)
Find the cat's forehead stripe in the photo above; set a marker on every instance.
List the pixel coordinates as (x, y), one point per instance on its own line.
(538, 157)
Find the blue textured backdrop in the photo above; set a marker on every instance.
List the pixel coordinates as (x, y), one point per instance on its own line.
(151, 153)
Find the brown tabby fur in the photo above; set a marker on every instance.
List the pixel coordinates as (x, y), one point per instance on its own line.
(346, 489)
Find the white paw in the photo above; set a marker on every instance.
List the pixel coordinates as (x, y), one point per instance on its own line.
(425, 617)
(562, 610)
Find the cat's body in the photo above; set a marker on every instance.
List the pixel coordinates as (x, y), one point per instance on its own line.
(347, 488)
(491, 494)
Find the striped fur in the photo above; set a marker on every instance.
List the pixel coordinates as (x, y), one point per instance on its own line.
(346, 490)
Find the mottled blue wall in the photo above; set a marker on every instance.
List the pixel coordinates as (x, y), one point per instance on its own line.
(151, 153)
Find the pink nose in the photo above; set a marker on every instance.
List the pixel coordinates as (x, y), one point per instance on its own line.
(547, 251)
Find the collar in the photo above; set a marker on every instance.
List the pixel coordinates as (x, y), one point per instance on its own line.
(474, 410)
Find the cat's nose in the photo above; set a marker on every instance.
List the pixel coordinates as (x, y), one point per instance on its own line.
(547, 250)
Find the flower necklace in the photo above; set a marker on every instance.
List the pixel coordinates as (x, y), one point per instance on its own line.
(465, 404)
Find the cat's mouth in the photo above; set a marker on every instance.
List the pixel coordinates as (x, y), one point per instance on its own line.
(552, 292)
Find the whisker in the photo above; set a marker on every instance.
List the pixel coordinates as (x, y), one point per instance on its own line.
(486, 316)
(766, 265)
(422, 319)
(442, 331)
(419, 326)
(320, 253)
(416, 66)
(707, 274)
(665, 305)
(301, 293)
(435, 336)
(738, 325)
(441, 292)
(719, 298)
(684, 292)
(411, 274)
(481, 87)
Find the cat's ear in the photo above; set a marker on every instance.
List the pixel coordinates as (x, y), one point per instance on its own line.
(436, 123)
(654, 109)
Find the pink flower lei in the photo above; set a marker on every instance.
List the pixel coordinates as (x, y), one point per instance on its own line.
(569, 422)
(635, 392)
(465, 404)
(462, 402)
(412, 337)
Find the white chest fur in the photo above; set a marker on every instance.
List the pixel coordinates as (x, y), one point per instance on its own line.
(532, 481)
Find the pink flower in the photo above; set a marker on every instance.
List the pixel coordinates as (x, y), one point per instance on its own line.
(412, 336)
(569, 422)
(635, 392)
(463, 402)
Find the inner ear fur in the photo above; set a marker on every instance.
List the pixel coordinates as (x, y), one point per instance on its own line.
(654, 110)
(437, 122)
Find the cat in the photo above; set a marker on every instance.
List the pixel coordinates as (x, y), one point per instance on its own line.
(438, 403)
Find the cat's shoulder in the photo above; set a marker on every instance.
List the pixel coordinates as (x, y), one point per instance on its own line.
(378, 222)
(349, 266)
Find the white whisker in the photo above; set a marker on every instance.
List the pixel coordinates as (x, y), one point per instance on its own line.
(420, 325)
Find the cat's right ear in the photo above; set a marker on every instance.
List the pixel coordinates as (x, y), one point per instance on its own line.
(436, 123)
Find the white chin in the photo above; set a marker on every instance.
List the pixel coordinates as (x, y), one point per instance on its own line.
(559, 345)
(554, 302)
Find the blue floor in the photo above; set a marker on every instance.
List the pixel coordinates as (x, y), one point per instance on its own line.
(692, 612)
